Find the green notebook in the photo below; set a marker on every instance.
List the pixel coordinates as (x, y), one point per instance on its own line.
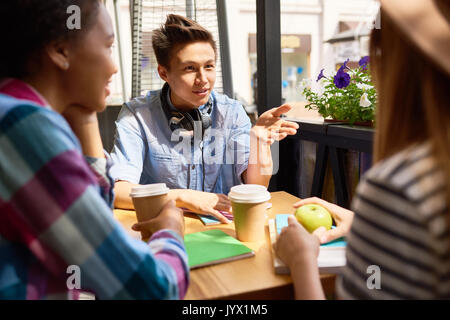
(212, 247)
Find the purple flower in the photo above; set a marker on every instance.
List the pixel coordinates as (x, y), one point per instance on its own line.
(320, 75)
(364, 62)
(341, 79)
(344, 66)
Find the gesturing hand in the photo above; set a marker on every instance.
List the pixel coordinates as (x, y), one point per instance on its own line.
(270, 127)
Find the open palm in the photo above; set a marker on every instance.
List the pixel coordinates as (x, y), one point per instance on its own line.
(270, 127)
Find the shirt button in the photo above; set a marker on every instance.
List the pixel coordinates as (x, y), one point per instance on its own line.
(193, 166)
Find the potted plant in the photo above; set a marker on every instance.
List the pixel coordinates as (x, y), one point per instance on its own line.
(349, 96)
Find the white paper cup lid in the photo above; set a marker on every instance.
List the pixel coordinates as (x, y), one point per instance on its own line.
(249, 193)
(146, 190)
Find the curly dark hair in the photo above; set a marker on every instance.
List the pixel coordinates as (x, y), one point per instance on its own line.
(27, 26)
(178, 30)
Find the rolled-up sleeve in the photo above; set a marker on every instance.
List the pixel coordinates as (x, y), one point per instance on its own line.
(129, 150)
(239, 140)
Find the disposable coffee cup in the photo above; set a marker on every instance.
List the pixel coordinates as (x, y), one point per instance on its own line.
(249, 203)
(149, 199)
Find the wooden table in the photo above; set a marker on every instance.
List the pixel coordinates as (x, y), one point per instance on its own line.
(251, 278)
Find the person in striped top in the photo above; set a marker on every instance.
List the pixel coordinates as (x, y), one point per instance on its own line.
(398, 231)
(58, 236)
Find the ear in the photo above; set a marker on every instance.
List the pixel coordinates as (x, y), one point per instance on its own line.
(162, 71)
(58, 52)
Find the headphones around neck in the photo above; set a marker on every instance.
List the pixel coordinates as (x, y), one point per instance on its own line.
(185, 119)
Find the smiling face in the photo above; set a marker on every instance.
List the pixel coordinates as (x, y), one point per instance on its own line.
(91, 64)
(191, 75)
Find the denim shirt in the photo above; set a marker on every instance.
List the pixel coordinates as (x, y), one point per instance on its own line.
(147, 151)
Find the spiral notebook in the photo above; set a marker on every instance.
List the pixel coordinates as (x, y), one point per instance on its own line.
(331, 257)
(213, 247)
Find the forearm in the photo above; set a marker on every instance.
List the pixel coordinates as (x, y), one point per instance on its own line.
(306, 280)
(253, 175)
(165, 245)
(260, 164)
(122, 190)
(185, 198)
(163, 263)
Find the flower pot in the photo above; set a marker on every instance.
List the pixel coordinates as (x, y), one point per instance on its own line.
(358, 123)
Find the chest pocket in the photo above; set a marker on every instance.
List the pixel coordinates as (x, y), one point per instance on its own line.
(167, 168)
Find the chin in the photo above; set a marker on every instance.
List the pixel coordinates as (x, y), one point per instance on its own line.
(101, 107)
(203, 101)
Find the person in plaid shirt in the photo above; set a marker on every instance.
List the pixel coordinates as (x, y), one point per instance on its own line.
(55, 189)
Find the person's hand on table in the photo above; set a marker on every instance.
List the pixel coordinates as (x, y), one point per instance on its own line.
(295, 245)
(342, 217)
(170, 217)
(206, 203)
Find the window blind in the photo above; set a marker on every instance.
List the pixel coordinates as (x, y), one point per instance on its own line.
(148, 15)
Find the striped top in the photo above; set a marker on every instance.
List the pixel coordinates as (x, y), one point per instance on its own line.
(399, 243)
(55, 218)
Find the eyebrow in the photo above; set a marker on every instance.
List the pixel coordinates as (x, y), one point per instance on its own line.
(193, 62)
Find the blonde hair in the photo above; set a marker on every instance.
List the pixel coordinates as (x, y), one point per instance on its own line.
(413, 104)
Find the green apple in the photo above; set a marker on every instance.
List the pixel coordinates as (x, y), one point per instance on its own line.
(313, 216)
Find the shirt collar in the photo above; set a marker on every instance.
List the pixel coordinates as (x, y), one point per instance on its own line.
(22, 91)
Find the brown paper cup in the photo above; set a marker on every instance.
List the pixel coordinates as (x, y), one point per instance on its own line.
(148, 200)
(149, 207)
(249, 220)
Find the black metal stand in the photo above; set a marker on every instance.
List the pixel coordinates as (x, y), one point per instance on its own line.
(332, 141)
(268, 32)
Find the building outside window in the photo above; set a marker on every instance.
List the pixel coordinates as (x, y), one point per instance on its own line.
(315, 34)
(310, 31)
